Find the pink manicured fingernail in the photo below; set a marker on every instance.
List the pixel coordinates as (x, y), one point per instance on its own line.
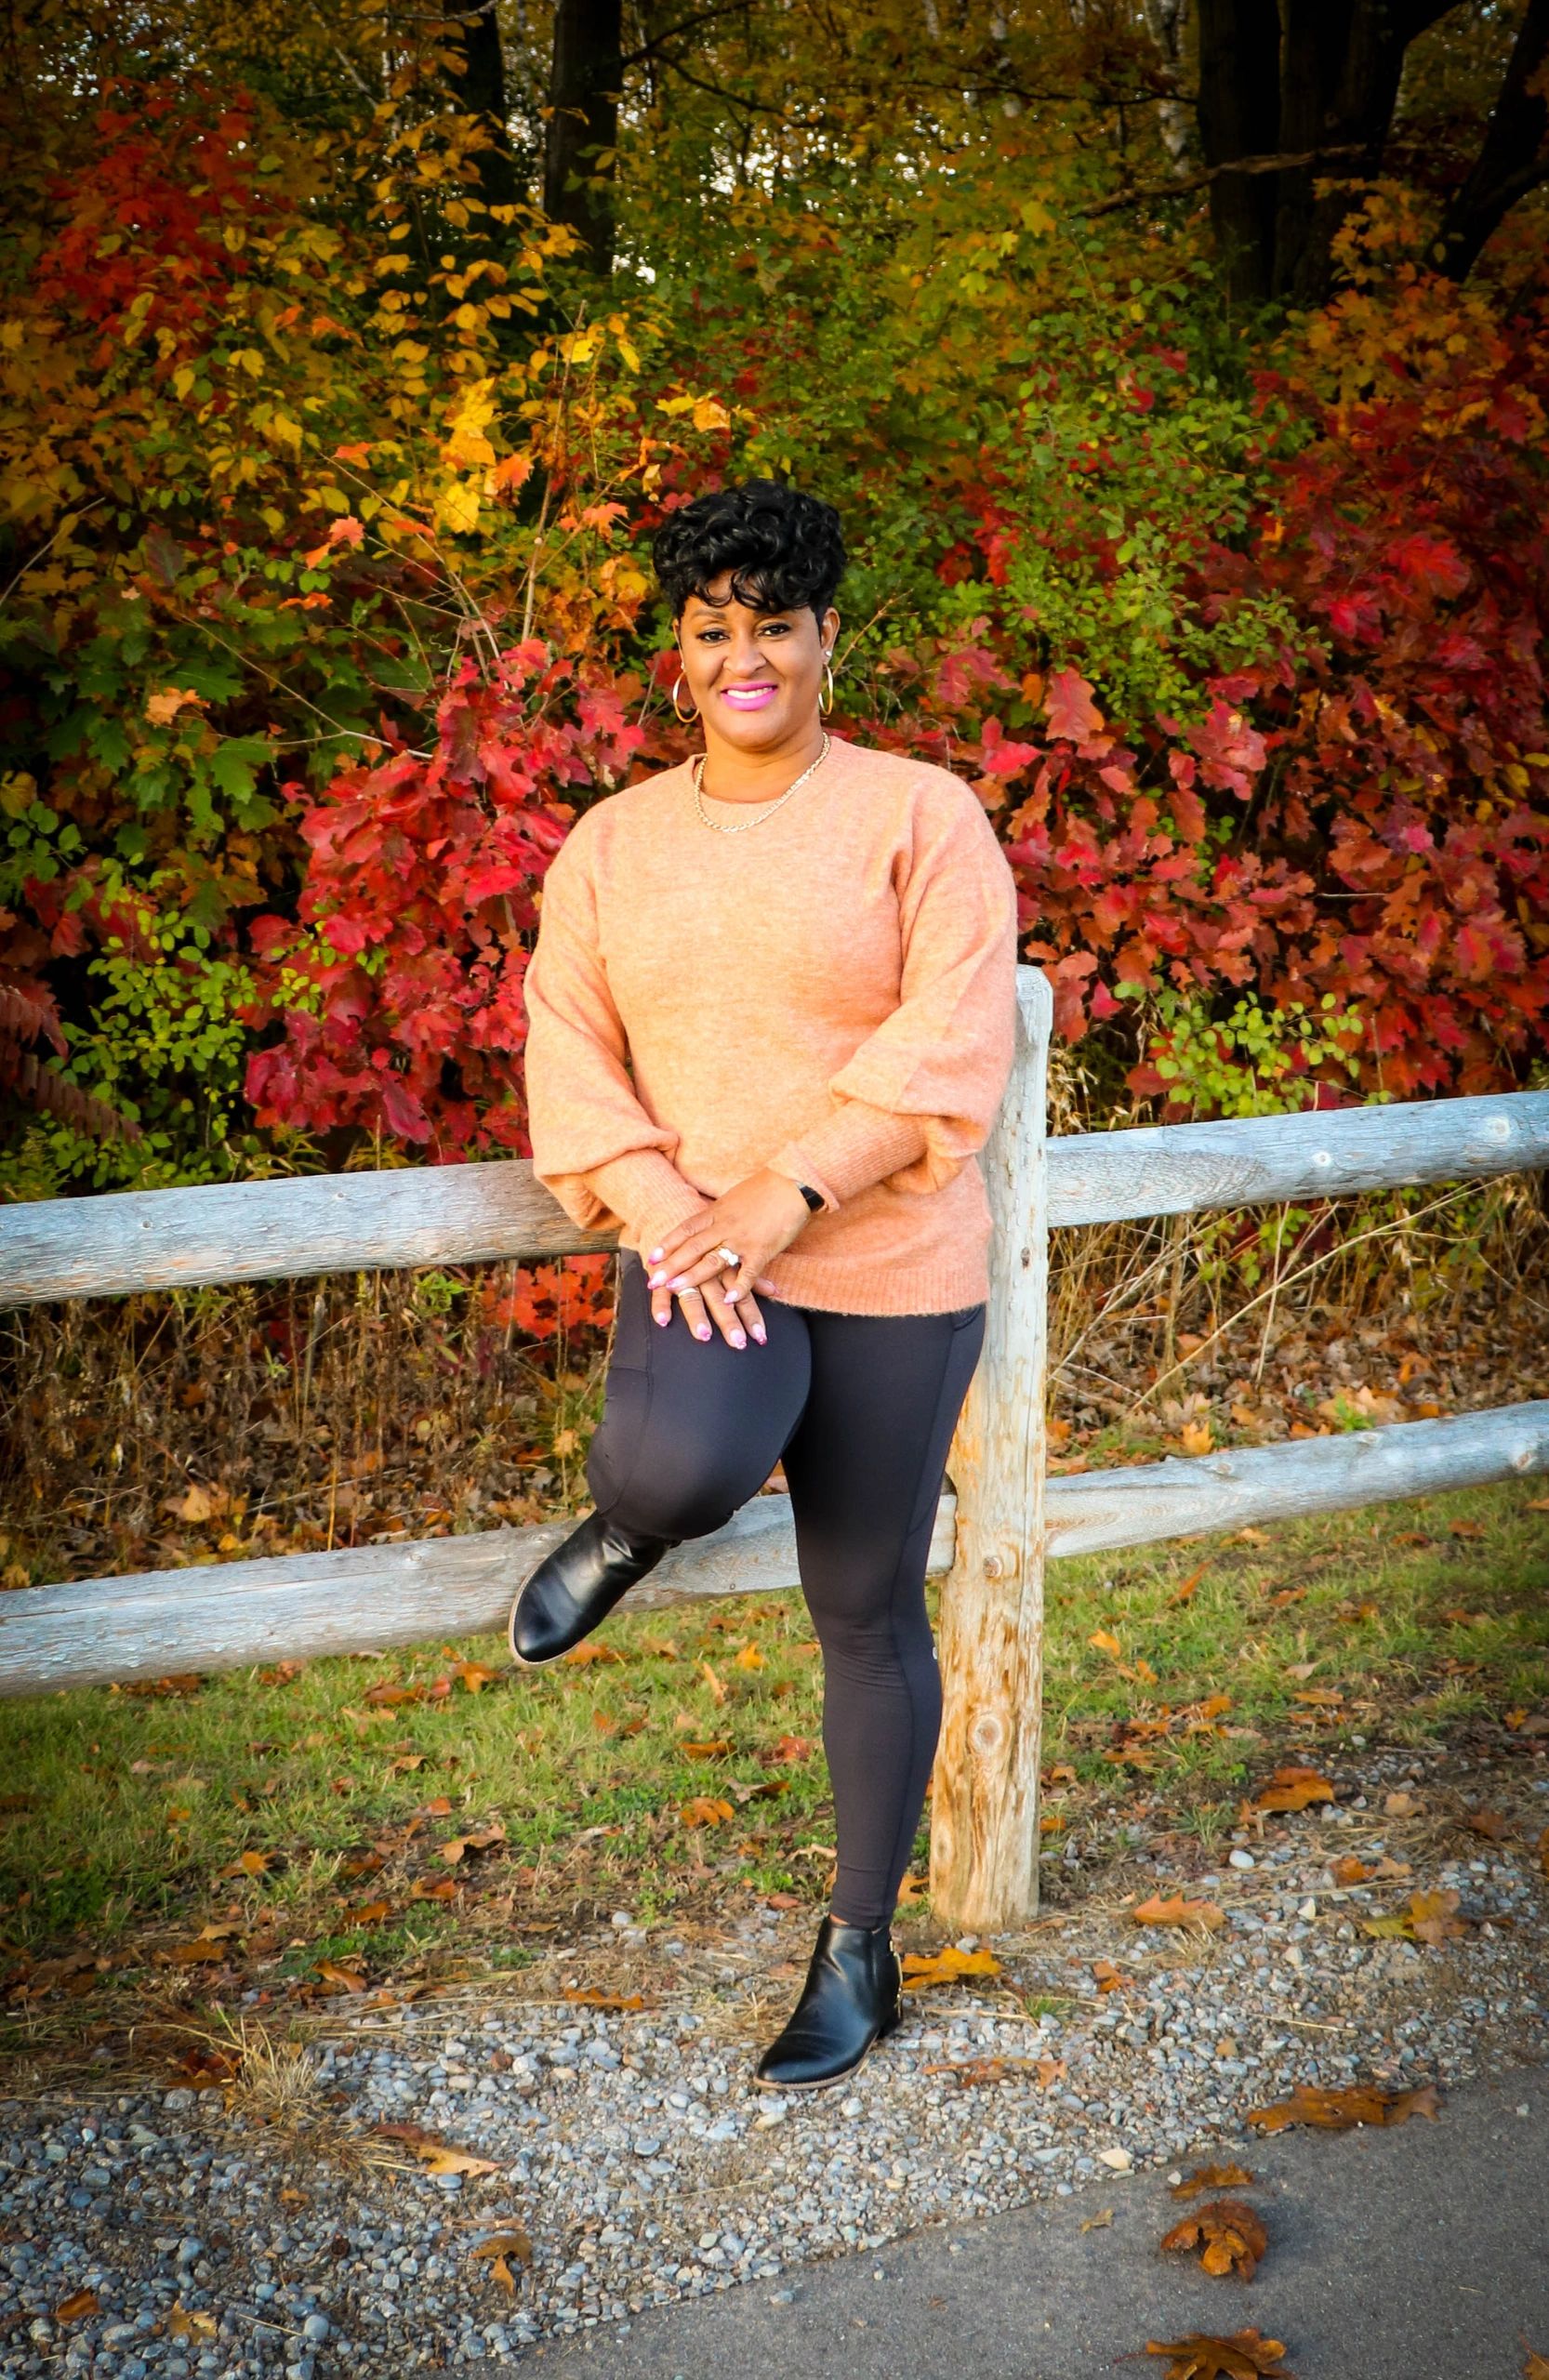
(705, 1334)
(739, 1339)
(656, 1252)
(679, 1281)
(654, 1281)
(663, 1319)
(760, 1335)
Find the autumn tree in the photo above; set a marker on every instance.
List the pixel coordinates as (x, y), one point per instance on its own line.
(1297, 111)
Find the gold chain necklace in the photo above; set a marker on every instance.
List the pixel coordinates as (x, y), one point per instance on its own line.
(698, 774)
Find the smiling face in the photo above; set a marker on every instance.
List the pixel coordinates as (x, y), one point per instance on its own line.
(754, 676)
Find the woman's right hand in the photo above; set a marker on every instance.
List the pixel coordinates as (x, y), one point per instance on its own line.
(707, 1308)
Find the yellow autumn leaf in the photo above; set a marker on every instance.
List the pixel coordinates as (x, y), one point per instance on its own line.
(457, 508)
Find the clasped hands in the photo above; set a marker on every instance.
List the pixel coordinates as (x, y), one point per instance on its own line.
(757, 1216)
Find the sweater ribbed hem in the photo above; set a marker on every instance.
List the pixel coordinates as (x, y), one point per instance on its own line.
(829, 1285)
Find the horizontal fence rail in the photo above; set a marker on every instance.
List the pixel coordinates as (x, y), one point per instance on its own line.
(496, 1211)
(222, 1616)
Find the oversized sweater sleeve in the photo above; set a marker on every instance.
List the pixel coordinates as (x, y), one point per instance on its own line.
(594, 1146)
(918, 1097)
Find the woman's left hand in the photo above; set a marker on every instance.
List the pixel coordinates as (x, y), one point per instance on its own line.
(757, 1216)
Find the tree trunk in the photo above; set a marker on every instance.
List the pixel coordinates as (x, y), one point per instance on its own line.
(479, 89)
(1316, 82)
(1239, 116)
(1515, 157)
(1339, 86)
(584, 92)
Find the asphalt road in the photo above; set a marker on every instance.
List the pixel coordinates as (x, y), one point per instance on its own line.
(1416, 2253)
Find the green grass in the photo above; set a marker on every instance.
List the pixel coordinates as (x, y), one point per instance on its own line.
(122, 1810)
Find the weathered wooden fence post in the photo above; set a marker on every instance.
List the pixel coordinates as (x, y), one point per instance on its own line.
(984, 1798)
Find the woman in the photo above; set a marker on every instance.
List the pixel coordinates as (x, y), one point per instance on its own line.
(770, 1018)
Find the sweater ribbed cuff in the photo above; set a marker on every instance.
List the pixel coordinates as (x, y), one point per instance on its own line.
(851, 1149)
(649, 1194)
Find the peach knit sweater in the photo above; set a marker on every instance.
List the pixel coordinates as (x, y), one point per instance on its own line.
(831, 994)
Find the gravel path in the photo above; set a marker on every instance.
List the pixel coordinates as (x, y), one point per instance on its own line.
(633, 2150)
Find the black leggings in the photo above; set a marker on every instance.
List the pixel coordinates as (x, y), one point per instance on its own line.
(860, 1409)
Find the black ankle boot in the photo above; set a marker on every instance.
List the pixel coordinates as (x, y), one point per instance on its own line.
(852, 1996)
(578, 1585)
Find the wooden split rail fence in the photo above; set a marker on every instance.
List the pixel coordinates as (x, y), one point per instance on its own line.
(999, 1519)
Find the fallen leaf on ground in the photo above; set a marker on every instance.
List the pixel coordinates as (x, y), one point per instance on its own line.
(1185, 1592)
(585, 1997)
(1213, 2177)
(703, 1810)
(1341, 2111)
(713, 1748)
(1349, 1870)
(371, 1913)
(437, 2156)
(972, 2071)
(1177, 1911)
(1490, 1824)
(347, 1978)
(362, 1863)
(1293, 1789)
(386, 1695)
(443, 1888)
(76, 2308)
(505, 2245)
(579, 1655)
(1101, 2221)
(922, 1970)
(1227, 2232)
(1400, 1805)
(912, 1888)
(717, 1684)
(748, 1659)
(1245, 2356)
(184, 2325)
(1430, 1917)
(1537, 2366)
(485, 1839)
(204, 2067)
(1107, 1978)
(788, 1749)
(474, 1675)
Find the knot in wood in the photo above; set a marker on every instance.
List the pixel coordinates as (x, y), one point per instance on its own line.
(987, 1735)
(993, 1565)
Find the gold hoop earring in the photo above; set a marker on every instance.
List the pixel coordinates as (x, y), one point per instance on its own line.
(682, 715)
(824, 707)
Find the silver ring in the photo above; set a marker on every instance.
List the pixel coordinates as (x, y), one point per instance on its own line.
(728, 1256)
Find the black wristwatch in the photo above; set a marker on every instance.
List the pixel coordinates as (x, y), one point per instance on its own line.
(814, 1198)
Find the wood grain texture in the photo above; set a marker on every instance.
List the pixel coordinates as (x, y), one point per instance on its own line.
(1097, 1511)
(474, 1214)
(1183, 1169)
(984, 1800)
(283, 1230)
(301, 1607)
(214, 1617)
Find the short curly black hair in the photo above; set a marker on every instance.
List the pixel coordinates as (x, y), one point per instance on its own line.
(783, 548)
